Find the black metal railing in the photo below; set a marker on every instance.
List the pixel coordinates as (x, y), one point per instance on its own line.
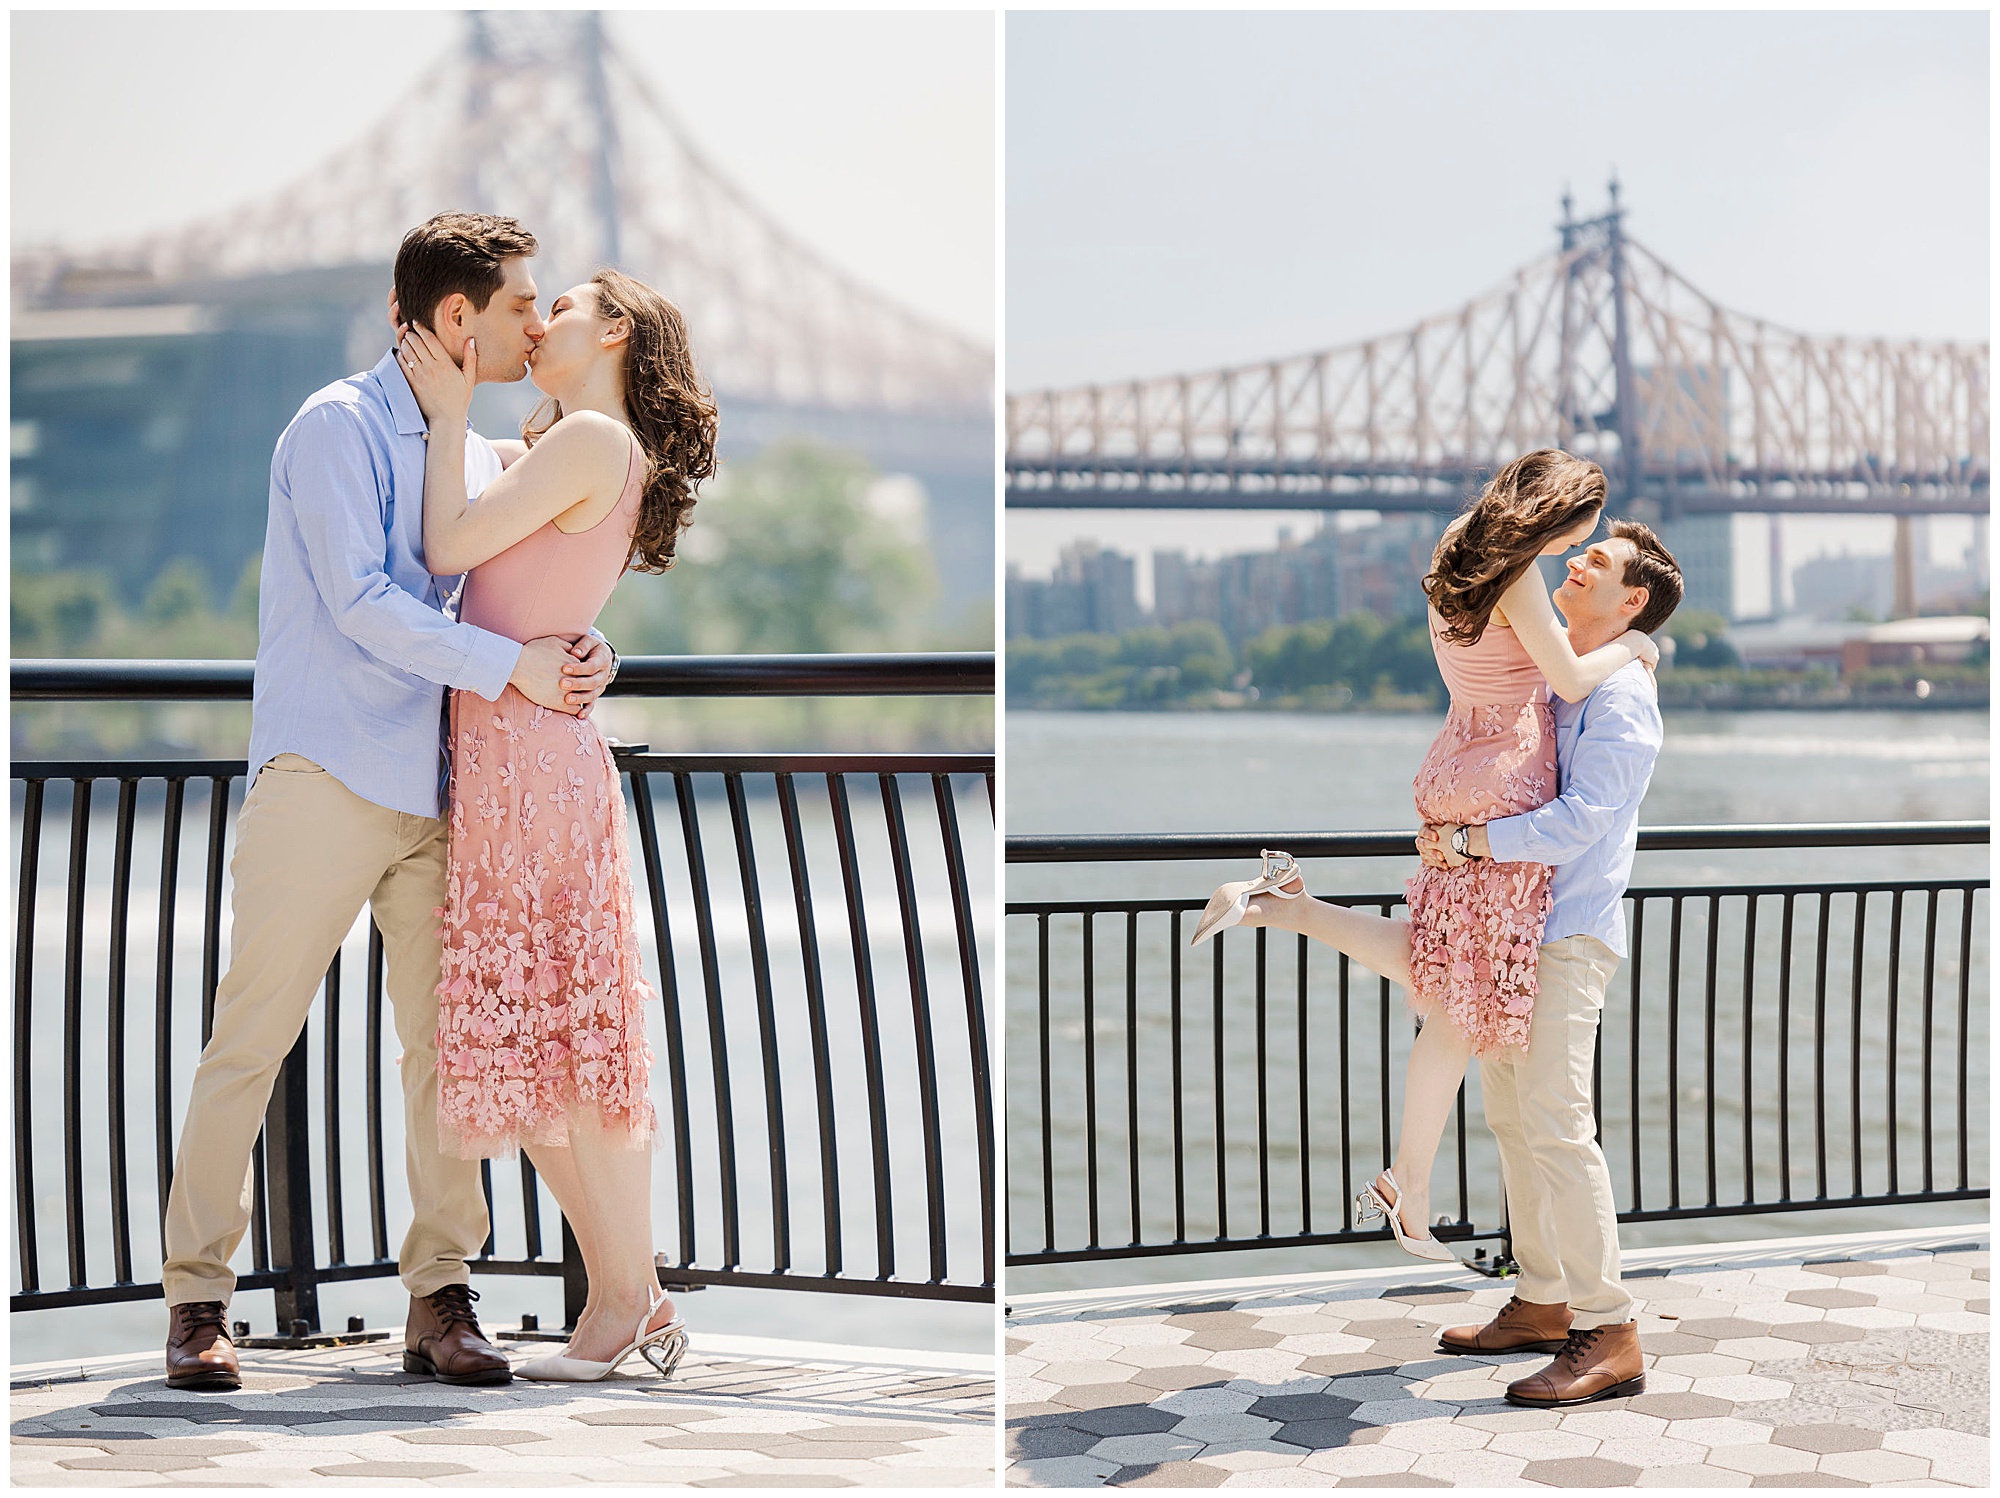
(825, 1082)
(1779, 1047)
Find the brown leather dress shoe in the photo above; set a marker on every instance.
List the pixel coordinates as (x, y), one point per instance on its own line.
(1521, 1326)
(199, 1352)
(442, 1340)
(1598, 1362)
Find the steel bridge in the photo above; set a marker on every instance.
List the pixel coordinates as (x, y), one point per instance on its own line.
(1601, 348)
(537, 116)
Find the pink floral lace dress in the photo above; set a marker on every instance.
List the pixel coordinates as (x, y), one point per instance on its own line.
(1474, 929)
(542, 1002)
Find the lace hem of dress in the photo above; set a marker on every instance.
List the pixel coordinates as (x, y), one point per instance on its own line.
(630, 1130)
(1474, 931)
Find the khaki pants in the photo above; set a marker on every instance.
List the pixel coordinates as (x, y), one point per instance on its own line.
(309, 853)
(1559, 1202)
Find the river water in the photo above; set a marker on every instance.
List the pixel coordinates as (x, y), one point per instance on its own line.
(1264, 773)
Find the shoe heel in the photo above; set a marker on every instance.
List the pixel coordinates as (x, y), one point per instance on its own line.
(1630, 1386)
(666, 1356)
(416, 1362)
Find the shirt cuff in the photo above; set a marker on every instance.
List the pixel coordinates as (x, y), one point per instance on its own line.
(1505, 839)
(489, 664)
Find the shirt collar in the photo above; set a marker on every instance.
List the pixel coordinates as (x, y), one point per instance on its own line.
(403, 406)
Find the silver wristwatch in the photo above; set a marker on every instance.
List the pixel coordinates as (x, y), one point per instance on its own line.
(1461, 842)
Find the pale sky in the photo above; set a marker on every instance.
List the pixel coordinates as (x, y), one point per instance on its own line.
(870, 136)
(1191, 189)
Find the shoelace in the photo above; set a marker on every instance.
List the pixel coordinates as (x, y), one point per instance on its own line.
(454, 1303)
(199, 1313)
(1580, 1342)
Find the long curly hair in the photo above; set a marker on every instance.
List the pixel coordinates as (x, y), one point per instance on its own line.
(1536, 498)
(672, 413)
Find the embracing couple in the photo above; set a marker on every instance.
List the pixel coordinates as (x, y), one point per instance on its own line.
(1516, 924)
(522, 1017)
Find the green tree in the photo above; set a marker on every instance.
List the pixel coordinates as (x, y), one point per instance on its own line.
(786, 555)
(180, 592)
(59, 613)
(1701, 638)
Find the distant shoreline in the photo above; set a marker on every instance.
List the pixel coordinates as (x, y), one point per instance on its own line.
(1935, 703)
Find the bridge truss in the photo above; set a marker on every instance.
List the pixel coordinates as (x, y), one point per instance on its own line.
(537, 116)
(1602, 348)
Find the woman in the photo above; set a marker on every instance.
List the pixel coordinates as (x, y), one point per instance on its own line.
(542, 1007)
(1466, 955)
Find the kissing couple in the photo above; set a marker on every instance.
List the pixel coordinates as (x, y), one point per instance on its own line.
(522, 1017)
(1531, 816)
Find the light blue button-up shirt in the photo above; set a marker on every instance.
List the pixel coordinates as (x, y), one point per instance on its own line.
(356, 641)
(1606, 746)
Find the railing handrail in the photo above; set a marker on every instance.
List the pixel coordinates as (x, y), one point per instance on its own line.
(1158, 847)
(888, 674)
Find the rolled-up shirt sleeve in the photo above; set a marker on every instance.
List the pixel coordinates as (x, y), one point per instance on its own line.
(1608, 771)
(336, 498)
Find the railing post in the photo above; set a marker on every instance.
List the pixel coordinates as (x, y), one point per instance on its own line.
(288, 1194)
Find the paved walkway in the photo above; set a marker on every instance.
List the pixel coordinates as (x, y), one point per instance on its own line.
(741, 1412)
(1852, 1361)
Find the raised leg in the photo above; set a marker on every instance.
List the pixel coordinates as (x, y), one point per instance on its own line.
(1379, 943)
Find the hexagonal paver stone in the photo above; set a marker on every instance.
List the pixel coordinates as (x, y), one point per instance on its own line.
(1169, 1475)
(1123, 1420)
(1681, 1406)
(215, 1413)
(1803, 1480)
(773, 1480)
(1830, 1300)
(1843, 1267)
(1364, 1388)
(1049, 1440)
(1231, 1339)
(1826, 1439)
(1102, 1396)
(1318, 1435)
(637, 1414)
(1818, 1333)
(142, 1460)
(1378, 1326)
(1674, 1343)
(1340, 1364)
(1581, 1472)
(1202, 1321)
(1283, 1407)
(1719, 1328)
(1395, 1480)
(1423, 1295)
(824, 1451)
(1402, 1350)
(1188, 1376)
(476, 1435)
(394, 1469)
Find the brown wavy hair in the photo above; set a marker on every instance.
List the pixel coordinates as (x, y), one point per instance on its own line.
(1536, 498)
(672, 413)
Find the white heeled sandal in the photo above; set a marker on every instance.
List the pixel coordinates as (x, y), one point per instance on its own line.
(1371, 1203)
(1229, 904)
(663, 1347)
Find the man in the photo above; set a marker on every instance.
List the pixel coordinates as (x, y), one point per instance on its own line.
(356, 644)
(1538, 1102)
